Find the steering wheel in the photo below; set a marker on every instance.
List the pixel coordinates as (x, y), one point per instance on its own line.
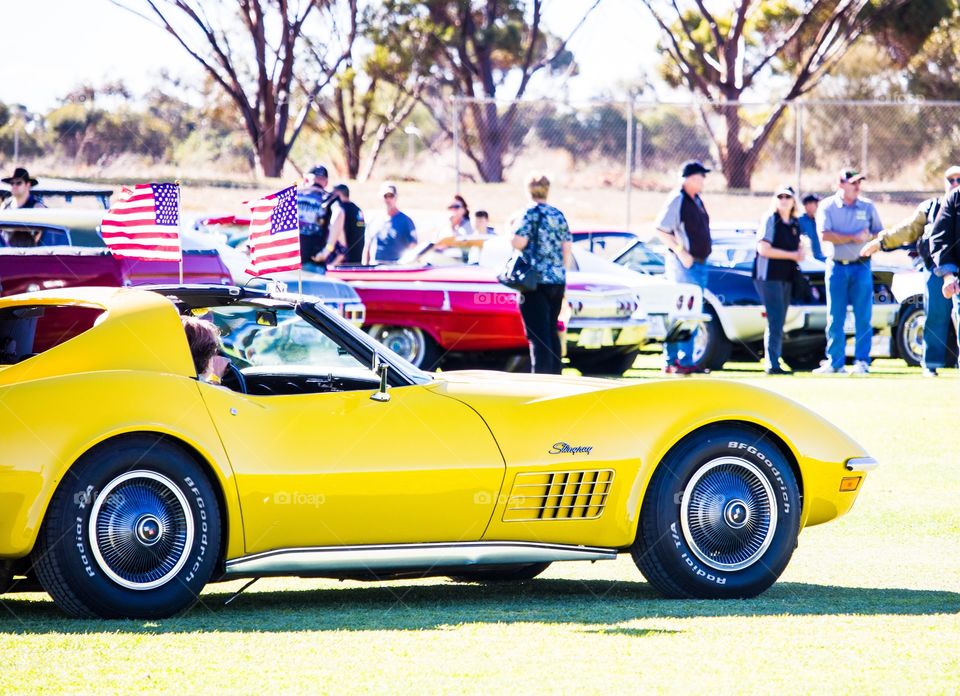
(233, 379)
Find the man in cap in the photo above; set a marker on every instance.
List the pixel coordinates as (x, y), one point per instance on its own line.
(808, 224)
(394, 235)
(20, 195)
(313, 205)
(847, 222)
(683, 225)
(944, 240)
(914, 234)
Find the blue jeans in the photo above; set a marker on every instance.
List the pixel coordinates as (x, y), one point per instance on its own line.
(776, 301)
(936, 329)
(681, 352)
(850, 284)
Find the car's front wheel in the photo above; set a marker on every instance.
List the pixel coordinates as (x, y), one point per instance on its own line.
(720, 517)
(132, 532)
(607, 361)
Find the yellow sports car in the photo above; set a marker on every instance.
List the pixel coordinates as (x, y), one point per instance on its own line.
(128, 481)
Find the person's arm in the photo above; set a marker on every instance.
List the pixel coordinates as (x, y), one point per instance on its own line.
(521, 235)
(668, 221)
(906, 232)
(369, 249)
(765, 246)
(567, 245)
(827, 234)
(336, 235)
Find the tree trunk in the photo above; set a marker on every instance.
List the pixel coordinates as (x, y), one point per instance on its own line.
(493, 144)
(738, 161)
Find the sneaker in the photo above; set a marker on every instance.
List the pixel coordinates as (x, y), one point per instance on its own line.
(776, 370)
(929, 372)
(669, 369)
(860, 367)
(692, 370)
(827, 369)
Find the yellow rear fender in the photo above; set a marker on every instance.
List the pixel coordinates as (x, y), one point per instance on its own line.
(78, 413)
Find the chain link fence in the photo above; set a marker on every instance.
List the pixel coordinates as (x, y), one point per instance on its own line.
(637, 149)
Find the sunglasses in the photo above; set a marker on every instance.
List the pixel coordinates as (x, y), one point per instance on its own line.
(454, 206)
(784, 197)
(18, 182)
(954, 180)
(389, 195)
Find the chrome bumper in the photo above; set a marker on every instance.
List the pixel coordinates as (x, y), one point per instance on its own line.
(861, 464)
(590, 334)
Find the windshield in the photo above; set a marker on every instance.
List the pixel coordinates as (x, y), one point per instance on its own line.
(270, 337)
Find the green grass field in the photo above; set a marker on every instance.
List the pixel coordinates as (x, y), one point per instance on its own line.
(868, 603)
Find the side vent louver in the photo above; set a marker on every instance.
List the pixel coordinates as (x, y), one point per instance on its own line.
(564, 495)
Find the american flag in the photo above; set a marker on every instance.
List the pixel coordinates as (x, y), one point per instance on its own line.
(144, 223)
(274, 233)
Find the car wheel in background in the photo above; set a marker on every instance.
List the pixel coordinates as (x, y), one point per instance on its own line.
(132, 532)
(507, 573)
(411, 343)
(909, 336)
(711, 347)
(804, 361)
(720, 517)
(605, 362)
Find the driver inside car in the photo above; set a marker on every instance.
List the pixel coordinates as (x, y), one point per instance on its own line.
(204, 340)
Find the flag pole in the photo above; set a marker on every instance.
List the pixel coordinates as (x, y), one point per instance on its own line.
(179, 229)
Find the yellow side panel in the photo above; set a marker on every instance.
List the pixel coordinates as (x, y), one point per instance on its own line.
(339, 468)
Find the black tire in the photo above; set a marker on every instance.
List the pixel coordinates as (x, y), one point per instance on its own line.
(412, 343)
(604, 362)
(804, 361)
(133, 531)
(725, 483)
(909, 334)
(718, 348)
(507, 573)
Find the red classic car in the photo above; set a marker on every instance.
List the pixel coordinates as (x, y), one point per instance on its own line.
(461, 315)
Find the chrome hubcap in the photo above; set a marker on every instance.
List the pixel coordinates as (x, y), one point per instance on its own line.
(141, 530)
(728, 513)
(913, 335)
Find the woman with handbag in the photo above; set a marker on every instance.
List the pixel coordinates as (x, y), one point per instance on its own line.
(544, 240)
(774, 267)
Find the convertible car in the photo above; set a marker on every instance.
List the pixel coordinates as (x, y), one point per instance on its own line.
(130, 508)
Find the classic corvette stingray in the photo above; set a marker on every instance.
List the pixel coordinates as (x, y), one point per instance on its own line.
(324, 454)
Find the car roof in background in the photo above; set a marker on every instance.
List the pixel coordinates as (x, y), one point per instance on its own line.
(63, 187)
(79, 218)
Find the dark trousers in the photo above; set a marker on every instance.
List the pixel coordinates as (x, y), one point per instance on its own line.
(776, 300)
(540, 310)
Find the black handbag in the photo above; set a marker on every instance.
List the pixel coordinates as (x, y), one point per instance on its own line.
(800, 288)
(519, 273)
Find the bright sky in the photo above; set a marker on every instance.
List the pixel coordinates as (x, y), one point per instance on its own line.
(56, 45)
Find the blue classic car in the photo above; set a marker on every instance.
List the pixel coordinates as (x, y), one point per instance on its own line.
(737, 318)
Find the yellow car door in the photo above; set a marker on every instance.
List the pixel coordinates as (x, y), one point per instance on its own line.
(336, 468)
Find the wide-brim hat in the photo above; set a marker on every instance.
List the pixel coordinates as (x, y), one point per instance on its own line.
(20, 173)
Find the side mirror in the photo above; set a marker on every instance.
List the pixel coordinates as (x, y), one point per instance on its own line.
(381, 393)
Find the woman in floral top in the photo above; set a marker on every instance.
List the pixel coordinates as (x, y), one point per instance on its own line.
(540, 308)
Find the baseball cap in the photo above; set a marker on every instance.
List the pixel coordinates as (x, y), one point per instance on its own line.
(320, 170)
(786, 189)
(850, 176)
(693, 167)
(388, 188)
(811, 198)
(951, 172)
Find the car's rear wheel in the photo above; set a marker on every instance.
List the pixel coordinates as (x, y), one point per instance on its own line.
(507, 573)
(720, 517)
(411, 343)
(605, 362)
(132, 532)
(711, 347)
(909, 334)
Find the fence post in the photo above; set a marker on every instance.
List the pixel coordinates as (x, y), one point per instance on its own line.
(628, 183)
(454, 107)
(864, 135)
(798, 146)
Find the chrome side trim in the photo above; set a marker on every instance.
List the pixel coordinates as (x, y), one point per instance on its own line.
(861, 464)
(332, 559)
